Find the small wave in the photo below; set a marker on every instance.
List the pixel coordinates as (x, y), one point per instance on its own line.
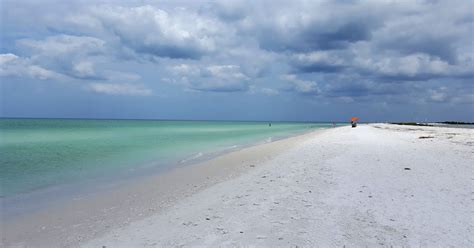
(232, 147)
(195, 156)
(268, 140)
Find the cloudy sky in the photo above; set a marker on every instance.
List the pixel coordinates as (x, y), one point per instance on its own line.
(238, 60)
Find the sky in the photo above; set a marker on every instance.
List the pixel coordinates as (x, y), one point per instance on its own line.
(238, 60)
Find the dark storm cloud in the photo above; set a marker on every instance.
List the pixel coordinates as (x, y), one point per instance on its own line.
(357, 87)
(227, 11)
(313, 37)
(441, 47)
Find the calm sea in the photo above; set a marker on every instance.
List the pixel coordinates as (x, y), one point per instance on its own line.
(39, 153)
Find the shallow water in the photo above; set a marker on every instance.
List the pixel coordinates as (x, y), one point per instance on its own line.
(36, 154)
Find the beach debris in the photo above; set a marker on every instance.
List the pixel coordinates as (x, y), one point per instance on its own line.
(407, 168)
(425, 137)
(207, 218)
(252, 165)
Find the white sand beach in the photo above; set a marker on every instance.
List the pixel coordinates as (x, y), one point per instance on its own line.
(374, 185)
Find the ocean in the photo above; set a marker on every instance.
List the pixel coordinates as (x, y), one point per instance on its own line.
(37, 154)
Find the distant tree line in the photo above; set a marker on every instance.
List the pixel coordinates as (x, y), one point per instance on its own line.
(411, 124)
(457, 123)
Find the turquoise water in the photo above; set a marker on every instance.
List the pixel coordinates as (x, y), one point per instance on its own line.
(41, 153)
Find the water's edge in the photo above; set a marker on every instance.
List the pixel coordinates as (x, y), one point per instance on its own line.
(27, 203)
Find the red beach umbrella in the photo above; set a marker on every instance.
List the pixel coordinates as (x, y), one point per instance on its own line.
(354, 119)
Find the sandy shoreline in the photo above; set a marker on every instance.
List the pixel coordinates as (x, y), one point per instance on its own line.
(375, 185)
(71, 223)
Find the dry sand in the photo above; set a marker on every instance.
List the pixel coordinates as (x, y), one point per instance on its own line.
(374, 185)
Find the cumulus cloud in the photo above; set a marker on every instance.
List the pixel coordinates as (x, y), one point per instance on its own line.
(64, 44)
(311, 25)
(352, 50)
(215, 78)
(300, 86)
(437, 29)
(84, 69)
(120, 89)
(418, 67)
(269, 92)
(67, 54)
(320, 61)
(151, 31)
(12, 65)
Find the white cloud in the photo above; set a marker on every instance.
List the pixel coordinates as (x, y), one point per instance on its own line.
(301, 86)
(120, 89)
(121, 76)
(417, 65)
(8, 57)
(439, 95)
(12, 65)
(224, 72)
(350, 49)
(217, 78)
(269, 92)
(84, 69)
(320, 57)
(60, 45)
(152, 31)
(73, 56)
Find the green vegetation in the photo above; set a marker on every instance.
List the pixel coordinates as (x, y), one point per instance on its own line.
(457, 123)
